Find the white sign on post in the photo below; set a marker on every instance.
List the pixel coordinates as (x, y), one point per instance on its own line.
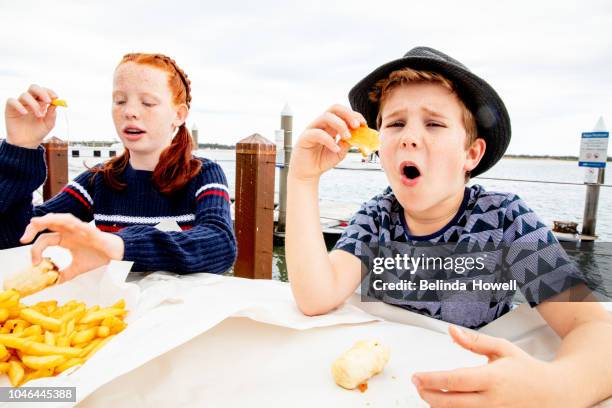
(594, 153)
(591, 175)
(594, 149)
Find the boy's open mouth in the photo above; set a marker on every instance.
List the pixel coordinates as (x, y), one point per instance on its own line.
(410, 173)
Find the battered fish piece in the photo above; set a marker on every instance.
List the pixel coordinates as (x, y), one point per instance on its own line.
(365, 139)
(357, 365)
(34, 278)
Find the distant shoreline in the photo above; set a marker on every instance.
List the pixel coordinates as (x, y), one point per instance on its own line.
(544, 157)
(507, 156)
(219, 146)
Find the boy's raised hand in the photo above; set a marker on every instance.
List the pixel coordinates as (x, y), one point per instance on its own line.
(317, 150)
(30, 117)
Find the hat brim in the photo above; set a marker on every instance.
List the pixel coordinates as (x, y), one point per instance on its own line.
(492, 120)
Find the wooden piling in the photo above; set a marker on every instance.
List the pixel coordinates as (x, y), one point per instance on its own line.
(589, 218)
(287, 126)
(590, 151)
(56, 157)
(194, 136)
(254, 207)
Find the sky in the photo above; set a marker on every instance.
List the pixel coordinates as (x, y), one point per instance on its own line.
(549, 60)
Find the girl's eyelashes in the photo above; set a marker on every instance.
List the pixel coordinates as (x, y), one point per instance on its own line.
(122, 102)
(435, 124)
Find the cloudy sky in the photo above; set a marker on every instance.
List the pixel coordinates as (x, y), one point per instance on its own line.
(550, 60)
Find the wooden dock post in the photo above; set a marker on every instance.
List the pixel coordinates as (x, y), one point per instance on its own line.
(589, 218)
(56, 157)
(287, 127)
(593, 153)
(254, 207)
(194, 136)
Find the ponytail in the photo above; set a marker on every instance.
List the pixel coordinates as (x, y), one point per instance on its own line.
(176, 164)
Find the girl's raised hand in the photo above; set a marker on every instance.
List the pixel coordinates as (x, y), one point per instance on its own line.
(30, 117)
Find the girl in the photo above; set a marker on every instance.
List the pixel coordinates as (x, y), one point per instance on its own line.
(155, 179)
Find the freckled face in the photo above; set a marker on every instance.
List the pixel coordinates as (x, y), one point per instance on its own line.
(143, 111)
(423, 140)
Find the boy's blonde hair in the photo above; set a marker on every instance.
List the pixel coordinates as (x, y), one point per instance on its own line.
(404, 76)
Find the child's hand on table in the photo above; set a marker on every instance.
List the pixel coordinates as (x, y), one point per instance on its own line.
(512, 378)
(90, 247)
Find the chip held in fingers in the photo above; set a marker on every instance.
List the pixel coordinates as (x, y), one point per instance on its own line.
(59, 102)
(365, 139)
(34, 278)
(356, 366)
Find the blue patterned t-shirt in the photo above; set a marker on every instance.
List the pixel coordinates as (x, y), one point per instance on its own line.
(498, 224)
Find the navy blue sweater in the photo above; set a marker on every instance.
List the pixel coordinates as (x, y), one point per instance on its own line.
(202, 210)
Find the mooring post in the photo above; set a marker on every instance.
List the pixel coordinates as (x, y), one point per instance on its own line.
(287, 127)
(589, 218)
(194, 136)
(254, 207)
(56, 157)
(593, 156)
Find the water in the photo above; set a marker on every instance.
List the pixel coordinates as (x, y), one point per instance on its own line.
(349, 188)
(550, 201)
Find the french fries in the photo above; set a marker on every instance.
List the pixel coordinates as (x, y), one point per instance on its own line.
(59, 102)
(102, 314)
(43, 362)
(15, 372)
(34, 317)
(47, 339)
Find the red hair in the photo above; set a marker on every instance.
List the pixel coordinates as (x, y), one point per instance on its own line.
(176, 165)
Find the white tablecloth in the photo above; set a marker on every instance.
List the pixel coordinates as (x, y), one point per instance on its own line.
(269, 357)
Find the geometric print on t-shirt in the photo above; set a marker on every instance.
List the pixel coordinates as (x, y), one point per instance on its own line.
(514, 238)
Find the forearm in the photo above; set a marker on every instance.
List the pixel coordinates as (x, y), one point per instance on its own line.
(208, 247)
(21, 172)
(308, 264)
(585, 356)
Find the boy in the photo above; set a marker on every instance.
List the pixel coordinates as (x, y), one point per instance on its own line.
(439, 125)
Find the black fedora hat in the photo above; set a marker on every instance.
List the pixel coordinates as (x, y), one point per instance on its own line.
(479, 97)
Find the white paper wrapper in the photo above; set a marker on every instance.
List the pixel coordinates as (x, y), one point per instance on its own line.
(209, 340)
(166, 313)
(278, 357)
(102, 286)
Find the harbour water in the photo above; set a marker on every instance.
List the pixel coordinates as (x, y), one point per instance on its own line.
(550, 201)
(355, 182)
